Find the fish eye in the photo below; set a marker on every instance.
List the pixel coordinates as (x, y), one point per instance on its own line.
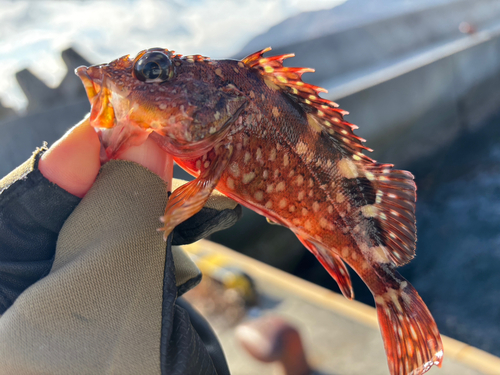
(153, 66)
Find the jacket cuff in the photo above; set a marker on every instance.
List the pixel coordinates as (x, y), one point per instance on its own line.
(32, 212)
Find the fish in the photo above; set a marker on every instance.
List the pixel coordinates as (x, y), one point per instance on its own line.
(255, 131)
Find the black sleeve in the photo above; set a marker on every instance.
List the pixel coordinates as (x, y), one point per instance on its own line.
(188, 344)
(32, 212)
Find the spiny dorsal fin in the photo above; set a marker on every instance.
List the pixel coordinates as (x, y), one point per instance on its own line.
(395, 191)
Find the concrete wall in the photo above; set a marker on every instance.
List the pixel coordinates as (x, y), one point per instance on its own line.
(349, 51)
(413, 114)
(21, 135)
(412, 81)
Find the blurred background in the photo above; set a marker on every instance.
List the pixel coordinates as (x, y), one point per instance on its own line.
(421, 79)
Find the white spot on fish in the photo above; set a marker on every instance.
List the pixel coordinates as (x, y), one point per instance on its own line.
(247, 177)
(272, 155)
(315, 206)
(246, 140)
(269, 205)
(313, 123)
(247, 157)
(282, 79)
(234, 169)
(299, 180)
(301, 148)
(323, 222)
(308, 225)
(347, 168)
(379, 300)
(280, 186)
(369, 210)
(369, 176)
(379, 254)
(259, 195)
(258, 154)
(230, 183)
(283, 203)
(340, 197)
(286, 160)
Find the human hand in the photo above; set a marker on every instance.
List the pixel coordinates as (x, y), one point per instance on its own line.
(73, 161)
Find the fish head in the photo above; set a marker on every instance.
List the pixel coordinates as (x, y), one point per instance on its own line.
(179, 100)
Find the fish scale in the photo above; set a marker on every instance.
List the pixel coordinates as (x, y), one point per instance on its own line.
(255, 131)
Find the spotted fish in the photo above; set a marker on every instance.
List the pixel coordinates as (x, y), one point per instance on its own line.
(255, 131)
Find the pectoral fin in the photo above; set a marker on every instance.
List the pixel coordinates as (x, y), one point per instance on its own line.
(190, 198)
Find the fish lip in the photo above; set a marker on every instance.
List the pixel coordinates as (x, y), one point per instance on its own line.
(92, 79)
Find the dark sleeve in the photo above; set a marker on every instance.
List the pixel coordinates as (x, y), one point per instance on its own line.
(207, 336)
(32, 212)
(188, 344)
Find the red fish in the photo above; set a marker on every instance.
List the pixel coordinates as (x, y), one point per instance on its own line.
(255, 131)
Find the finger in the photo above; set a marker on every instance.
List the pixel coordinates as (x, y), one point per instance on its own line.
(73, 162)
(151, 156)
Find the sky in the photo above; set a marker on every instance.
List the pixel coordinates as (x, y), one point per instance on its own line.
(33, 33)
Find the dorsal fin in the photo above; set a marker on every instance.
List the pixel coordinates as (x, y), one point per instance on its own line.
(395, 191)
(325, 112)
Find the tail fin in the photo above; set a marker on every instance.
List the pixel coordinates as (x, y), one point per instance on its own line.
(411, 338)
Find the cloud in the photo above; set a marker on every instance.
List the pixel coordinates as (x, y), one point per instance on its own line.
(32, 34)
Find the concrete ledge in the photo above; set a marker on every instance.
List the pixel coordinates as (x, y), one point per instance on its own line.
(365, 315)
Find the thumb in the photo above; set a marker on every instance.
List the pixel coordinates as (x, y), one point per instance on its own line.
(73, 161)
(151, 156)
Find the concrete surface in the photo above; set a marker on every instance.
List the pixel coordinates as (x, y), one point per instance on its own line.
(340, 340)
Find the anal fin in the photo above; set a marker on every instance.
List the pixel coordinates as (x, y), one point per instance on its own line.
(333, 264)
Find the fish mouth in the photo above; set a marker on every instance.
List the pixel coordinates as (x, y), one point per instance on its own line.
(93, 78)
(102, 113)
